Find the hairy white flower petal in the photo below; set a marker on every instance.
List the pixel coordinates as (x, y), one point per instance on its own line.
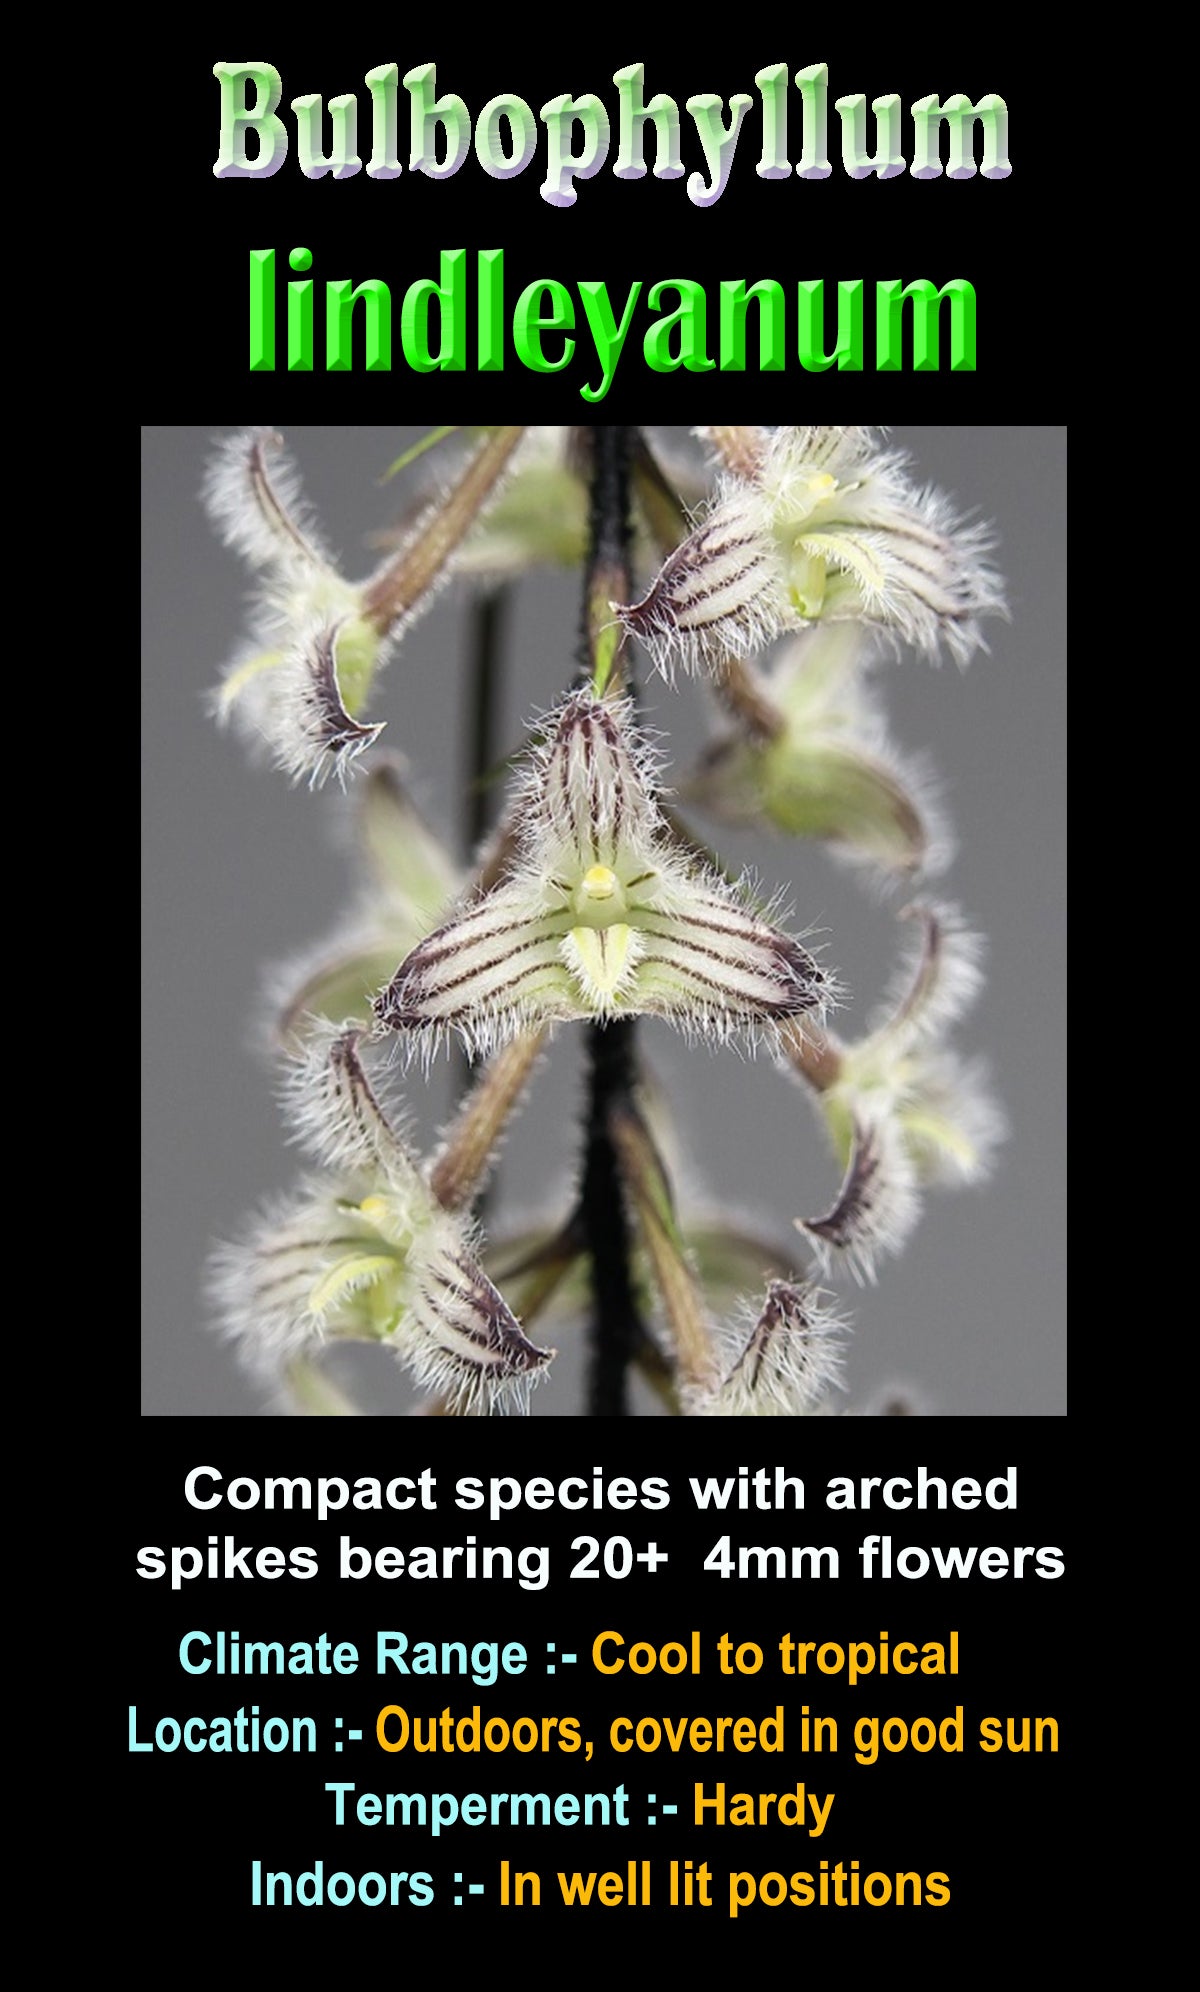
(483, 974)
(310, 733)
(787, 1363)
(333, 1110)
(602, 915)
(461, 1340)
(253, 496)
(315, 1269)
(877, 1207)
(793, 455)
(293, 690)
(263, 1287)
(952, 1122)
(904, 1112)
(699, 938)
(722, 593)
(592, 795)
(290, 693)
(935, 985)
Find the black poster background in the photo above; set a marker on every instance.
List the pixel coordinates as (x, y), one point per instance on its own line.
(1001, 1827)
(1011, 238)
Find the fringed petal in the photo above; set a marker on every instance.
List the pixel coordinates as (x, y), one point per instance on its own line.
(877, 1207)
(787, 1364)
(461, 1341)
(252, 494)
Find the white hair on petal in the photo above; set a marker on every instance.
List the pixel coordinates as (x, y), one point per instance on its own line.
(338, 1260)
(253, 496)
(313, 736)
(261, 1286)
(460, 1339)
(331, 1104)
(938, 980)
(877, 1205)
(287, 703)
(781, 1359)
(955, 1124)
(722, 592)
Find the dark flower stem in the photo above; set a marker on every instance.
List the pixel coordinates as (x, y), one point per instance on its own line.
(617, 1330)
(488, 617)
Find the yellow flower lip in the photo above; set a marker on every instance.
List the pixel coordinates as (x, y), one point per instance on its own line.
(822, 484)
(598, 882)
(373, 1208)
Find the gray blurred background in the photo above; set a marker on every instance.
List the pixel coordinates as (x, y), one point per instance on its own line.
(241, 871)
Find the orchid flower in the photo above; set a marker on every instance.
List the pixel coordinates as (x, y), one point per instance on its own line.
(366, 1253)
(903, 1112)
(318, 641)
(809, 755)
(820, 525)
(602, 914)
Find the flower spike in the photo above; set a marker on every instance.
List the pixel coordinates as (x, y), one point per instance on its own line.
(602, 914)
(590, 900)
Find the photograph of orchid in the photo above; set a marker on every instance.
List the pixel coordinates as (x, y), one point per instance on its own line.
(773, 577)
